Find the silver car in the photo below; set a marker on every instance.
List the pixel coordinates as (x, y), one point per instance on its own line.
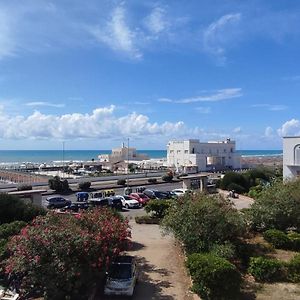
(121, 276)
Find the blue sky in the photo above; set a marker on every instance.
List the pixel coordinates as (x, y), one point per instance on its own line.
(92, 73)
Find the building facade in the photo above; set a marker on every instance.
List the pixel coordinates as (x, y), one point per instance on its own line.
(191, 156)
(291, 157)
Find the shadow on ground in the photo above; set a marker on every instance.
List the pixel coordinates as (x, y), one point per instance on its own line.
(146, 288)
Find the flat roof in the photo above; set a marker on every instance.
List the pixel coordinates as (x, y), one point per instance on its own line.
(198, 175)
(27, 192)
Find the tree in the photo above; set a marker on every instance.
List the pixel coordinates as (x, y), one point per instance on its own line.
(201, 221)
(85, 185)
(236, 178)
(277, 207)
(58, 185)
(64, 255)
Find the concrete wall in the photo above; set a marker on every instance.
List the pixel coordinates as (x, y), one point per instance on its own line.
(291, 157)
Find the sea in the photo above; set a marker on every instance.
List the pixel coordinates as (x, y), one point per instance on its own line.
(12, 157)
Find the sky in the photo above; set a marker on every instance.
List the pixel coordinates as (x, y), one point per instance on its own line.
(95, 73)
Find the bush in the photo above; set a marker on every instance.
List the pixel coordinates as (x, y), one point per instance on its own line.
(146, 220)
(277, 238)
(58, 185)
(294, 238)
(167, 178)
(121, 182)
(14, 209)
(152, 180)
(201, 221)
(294, 269)
(236, 187)
(24, 187)
(226, 250)
(158, 208)
(65, 255)
(237, 178)
(85, 185)
(214, 277)
(9, 229)
(266, 269)
(278, 207)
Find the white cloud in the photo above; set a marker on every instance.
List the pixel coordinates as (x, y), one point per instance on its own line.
(290, 128)
(237, 130)
(156, 22)
(220, 34)
(271, 107)
(42, 103)
(101, 123)
(117, 35)
(203, 110)
(269, 132)
(217, 96)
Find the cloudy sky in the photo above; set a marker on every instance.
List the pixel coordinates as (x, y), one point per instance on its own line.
(92, 73)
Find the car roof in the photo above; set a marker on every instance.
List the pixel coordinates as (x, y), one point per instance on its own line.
(124, 259)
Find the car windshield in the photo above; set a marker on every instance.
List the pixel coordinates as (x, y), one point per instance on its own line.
(127, 198)
(120, 271)
(142, 196)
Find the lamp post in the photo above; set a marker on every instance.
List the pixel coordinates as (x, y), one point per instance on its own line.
(127, 181)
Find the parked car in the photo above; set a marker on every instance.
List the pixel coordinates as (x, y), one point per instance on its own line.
(155, 194)
(121, 277)
(57, 202)
(115, 203)
(82, 196)
(76, 206)
(98, 202)
(141, 197)
(180, 192)
(128, 202)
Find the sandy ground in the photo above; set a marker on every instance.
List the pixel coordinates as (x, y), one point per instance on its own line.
(162, 273)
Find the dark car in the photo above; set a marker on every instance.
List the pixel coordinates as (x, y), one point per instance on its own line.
(115, 202)
(76, 206)
(154, 194)
(57, 202)
(82, 196)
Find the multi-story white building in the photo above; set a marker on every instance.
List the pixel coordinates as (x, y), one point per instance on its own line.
(192, 156)
(291, 157)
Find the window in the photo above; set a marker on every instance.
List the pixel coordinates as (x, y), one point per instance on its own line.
(225, 151)
(186, 151)
(178, 151)
(171, 151)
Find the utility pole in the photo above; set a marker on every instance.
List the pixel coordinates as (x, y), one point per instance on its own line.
(127, 181)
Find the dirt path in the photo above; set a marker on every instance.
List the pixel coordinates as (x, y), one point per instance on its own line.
(162, 272)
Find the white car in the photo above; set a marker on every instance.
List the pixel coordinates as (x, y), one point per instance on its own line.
(180, 192)
(128, 202)
(121, 276)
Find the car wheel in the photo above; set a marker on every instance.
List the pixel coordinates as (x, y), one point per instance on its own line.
(126, 206)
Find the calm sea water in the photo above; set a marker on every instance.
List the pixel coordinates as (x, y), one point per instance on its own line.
(19, 156)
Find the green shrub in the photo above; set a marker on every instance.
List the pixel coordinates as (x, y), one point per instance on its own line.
(233, 177)
(255, 191)
(294, 238)
(85, 185)
(121, 182)
(14, 209)
(226, 250)
(152, 180)
(58, 185)
(277, 238)
(266, 269)
(236, 187)
(213, 277)
(294, 269)
(9, 229)
(158, 208)
(24, 187)
(146, 220)
(167, 178)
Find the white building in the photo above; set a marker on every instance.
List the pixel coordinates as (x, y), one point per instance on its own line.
(122, 154)
(291, 157)
(192, 156)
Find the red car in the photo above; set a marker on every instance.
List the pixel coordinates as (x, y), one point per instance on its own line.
(142, 198)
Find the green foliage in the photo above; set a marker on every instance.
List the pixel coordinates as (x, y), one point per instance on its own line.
(236, 178)
(236, 187)
(121, 182)
(167, 177)
(226, 250)
(9, 229)
(85, 185)
(146, 220)
(14, 209)
(294, 269)
(255, 191)
(214, 277)
(294, 238)
(65, 255)
(152, 180)
(266, 269)
(58, 185)
(24, 187)
(258, 173)
(158, 208)
(132, 167)
(201, 221)
(277, 238)
(278, 207)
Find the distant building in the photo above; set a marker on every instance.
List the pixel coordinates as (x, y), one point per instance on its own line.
(122, 154)
(191, 156)
(291, 157)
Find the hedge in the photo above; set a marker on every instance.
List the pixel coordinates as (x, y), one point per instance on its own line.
(158, 208)
(9, 229)
(277, 238)
(213, 277)
(294, 269)
(121, 182)
(85, 185)
(294, 238)
(152, 180)
(267, 269)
